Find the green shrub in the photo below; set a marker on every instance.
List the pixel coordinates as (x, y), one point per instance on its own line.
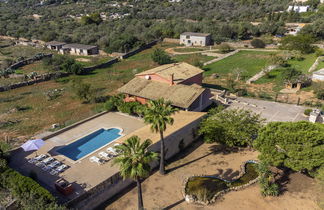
(82, 90)
(161, 57)
(20, 186)
(225, 48)
(258, 43)
(128, 107)
(307, 112)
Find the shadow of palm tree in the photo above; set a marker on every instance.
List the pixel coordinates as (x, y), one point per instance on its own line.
(213, 150)
(228, 174)
(174, 204)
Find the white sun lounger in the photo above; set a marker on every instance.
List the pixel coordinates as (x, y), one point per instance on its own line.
(104, 155)
(55, 163)
(38, 158)
(47, 168)
(59, 169)
(112, 151)
(47, 160)
(95, 159)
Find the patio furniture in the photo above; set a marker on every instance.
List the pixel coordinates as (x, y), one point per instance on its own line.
(59, 169)
(47, 160)
(55, 163)
(47, 168)
(112, 151)
(104, 155)
(40, 164)
(64, 187)
(33, 144)
(95, 159)
(37, 158)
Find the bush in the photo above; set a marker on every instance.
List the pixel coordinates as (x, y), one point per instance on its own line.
(83, 91)
(307, 112)
(258, 43)
(160, 57)
(225, 48)
(20, 185)
(267, 185)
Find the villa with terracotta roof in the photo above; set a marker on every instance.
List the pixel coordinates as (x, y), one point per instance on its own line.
(179, 83)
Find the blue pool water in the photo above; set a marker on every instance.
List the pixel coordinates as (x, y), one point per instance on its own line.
(89, 143)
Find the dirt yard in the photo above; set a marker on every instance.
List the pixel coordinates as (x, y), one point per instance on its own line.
(164, 192)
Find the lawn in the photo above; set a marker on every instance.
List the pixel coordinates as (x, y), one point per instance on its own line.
(65, 109)
(321, 65)
(251, 62)
(193, 58)
(275, 75)
(304, 64)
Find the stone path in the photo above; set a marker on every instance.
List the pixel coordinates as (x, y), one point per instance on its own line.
(261, 74)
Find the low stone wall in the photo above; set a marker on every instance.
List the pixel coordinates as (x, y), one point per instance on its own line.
(115, 184)
(100, 66)
(40, 78)
(316, 63)
(29, 61)
(131, 53)
(193, 199)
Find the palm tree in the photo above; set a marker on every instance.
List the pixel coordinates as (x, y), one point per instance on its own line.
(134, 162)
(158, 114)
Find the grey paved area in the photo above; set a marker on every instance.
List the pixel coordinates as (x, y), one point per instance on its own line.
(271, 111)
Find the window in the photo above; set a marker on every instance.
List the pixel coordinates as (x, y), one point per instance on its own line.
(187, 37)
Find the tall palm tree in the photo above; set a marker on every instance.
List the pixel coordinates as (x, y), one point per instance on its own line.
(134, 162)
(158, 115)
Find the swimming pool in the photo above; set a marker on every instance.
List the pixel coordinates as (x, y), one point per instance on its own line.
(90, 143)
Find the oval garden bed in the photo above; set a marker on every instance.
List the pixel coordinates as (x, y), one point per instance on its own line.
(206, 189)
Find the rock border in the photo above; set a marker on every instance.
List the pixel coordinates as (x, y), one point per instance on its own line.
(195, 200)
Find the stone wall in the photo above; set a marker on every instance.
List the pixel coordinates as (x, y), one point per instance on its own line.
(114, 185)
(100, 66)
(40, 78)
(134, 52)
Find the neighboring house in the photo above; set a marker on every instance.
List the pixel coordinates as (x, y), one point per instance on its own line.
(179, 83)
(79, 49)
(298, 9)
(54, 45)
(195, 39)
(318, 75)
(294, 28)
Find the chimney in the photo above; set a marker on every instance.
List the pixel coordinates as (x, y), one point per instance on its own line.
(172, 79)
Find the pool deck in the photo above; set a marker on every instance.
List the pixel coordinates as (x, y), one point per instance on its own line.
(84, 174)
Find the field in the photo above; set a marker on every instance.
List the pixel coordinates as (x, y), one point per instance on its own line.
(250, 62)
(26, 111)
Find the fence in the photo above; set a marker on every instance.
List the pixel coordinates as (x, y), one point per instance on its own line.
(100, 66)
(131, 53)
(29, 61)
(40, 78)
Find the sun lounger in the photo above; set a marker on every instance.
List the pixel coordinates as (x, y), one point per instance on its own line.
(40, 164)
(104, 155)
(55, 163)
(59, 169)
(47, 168)
(112, 151)
(47, 160)
(38, 158)
(95, 159)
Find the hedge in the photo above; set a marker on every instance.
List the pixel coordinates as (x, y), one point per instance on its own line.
(20, 186)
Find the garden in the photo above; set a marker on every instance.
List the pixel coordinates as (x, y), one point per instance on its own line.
(206, 189)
